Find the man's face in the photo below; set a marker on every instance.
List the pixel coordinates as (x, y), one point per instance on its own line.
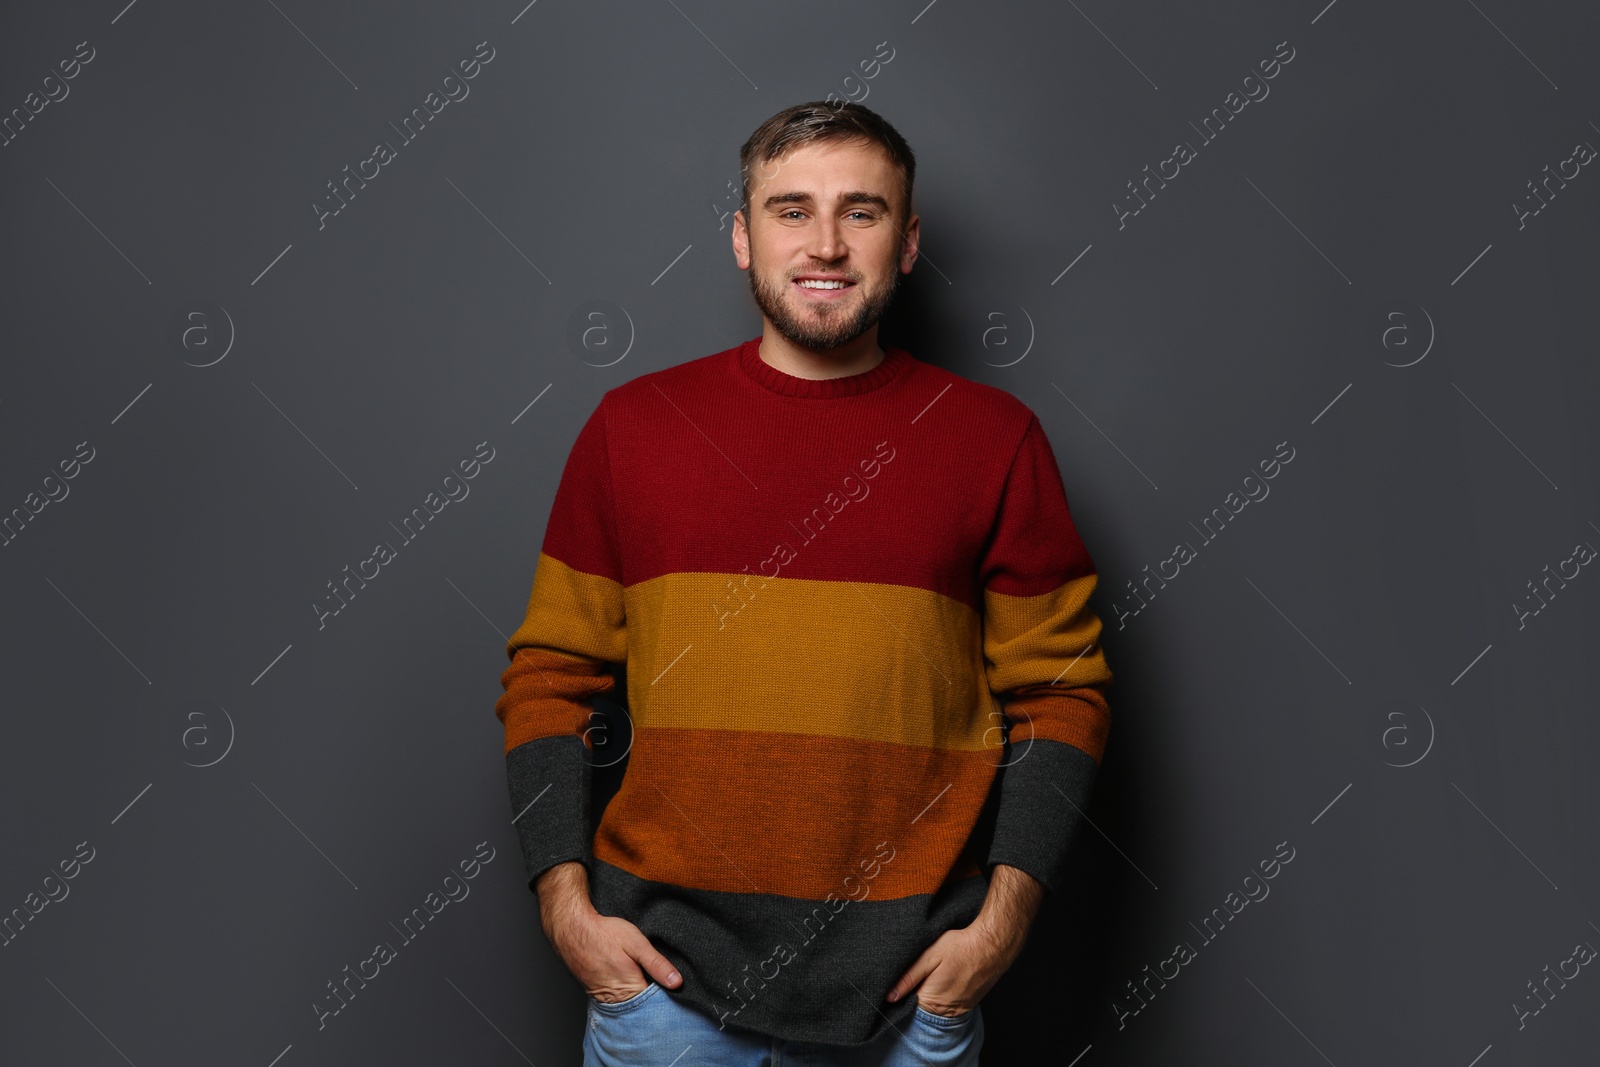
(824, 244)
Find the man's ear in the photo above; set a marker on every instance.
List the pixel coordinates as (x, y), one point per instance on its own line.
(911, 238)
(741, 241)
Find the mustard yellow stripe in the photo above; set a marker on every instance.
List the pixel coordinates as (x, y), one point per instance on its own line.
(1031, 640)
(875, 662)
(571, 611)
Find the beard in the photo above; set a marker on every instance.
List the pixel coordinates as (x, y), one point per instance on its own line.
(820, 327)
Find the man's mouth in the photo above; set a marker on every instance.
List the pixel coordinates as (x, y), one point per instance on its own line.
(823, 288)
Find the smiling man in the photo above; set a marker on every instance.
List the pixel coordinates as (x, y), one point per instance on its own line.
(865, 683)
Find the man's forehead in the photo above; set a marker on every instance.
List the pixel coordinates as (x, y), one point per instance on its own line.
(869, 158)
(830, 170)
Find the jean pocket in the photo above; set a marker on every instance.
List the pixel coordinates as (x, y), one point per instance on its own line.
(617, 1007)
(944, 1022)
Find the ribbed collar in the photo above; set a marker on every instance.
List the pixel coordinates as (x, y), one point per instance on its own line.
(895, 360)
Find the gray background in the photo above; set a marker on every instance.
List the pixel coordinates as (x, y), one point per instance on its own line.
(1359, 618)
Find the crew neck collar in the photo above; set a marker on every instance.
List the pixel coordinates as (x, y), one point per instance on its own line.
(895, 360)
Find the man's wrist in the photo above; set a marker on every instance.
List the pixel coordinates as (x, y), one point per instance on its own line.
(563, 890)
(1008, 911)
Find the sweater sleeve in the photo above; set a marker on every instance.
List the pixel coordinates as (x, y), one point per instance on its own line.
(1044, 662)
(573, 628)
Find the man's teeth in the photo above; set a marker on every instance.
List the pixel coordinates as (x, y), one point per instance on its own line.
(811, 284)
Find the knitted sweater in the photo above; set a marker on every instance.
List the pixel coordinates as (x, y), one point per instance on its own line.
(822, 592)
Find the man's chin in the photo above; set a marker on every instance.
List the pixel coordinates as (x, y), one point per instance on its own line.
(816, 342)
(817, 326)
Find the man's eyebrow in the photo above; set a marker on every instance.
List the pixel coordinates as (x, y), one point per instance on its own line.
(806, 198)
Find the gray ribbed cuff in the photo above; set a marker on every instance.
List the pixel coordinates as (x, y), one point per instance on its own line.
(548, 778)
(1042, 794)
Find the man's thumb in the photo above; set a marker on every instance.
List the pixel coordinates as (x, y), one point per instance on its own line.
(655, 964)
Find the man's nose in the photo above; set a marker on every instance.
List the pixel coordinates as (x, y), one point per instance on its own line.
(827, 239)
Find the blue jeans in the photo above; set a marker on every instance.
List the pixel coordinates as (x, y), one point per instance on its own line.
(654, 1029)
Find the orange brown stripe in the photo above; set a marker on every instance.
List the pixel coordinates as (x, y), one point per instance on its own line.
(744, 812)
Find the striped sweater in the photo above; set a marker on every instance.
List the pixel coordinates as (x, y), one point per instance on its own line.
(860, 666)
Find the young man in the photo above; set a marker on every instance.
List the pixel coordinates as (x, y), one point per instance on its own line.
(824, 564)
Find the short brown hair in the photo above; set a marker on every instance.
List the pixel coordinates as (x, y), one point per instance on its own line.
(823, 120)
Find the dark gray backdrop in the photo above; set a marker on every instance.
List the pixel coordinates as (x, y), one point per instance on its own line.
(1352, 669)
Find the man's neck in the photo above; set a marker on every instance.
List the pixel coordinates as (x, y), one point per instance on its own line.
(856, 356)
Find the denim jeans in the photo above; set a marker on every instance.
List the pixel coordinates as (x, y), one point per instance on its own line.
(654, 1029)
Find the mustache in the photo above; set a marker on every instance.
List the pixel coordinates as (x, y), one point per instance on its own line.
(848, 275)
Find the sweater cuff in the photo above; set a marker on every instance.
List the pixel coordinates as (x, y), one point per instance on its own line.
(548, 778)
(1043, 792)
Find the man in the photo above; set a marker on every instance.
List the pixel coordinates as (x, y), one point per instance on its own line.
(824, 563)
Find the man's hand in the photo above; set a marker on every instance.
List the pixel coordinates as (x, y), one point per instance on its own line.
(609, 956)
(962, 965)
